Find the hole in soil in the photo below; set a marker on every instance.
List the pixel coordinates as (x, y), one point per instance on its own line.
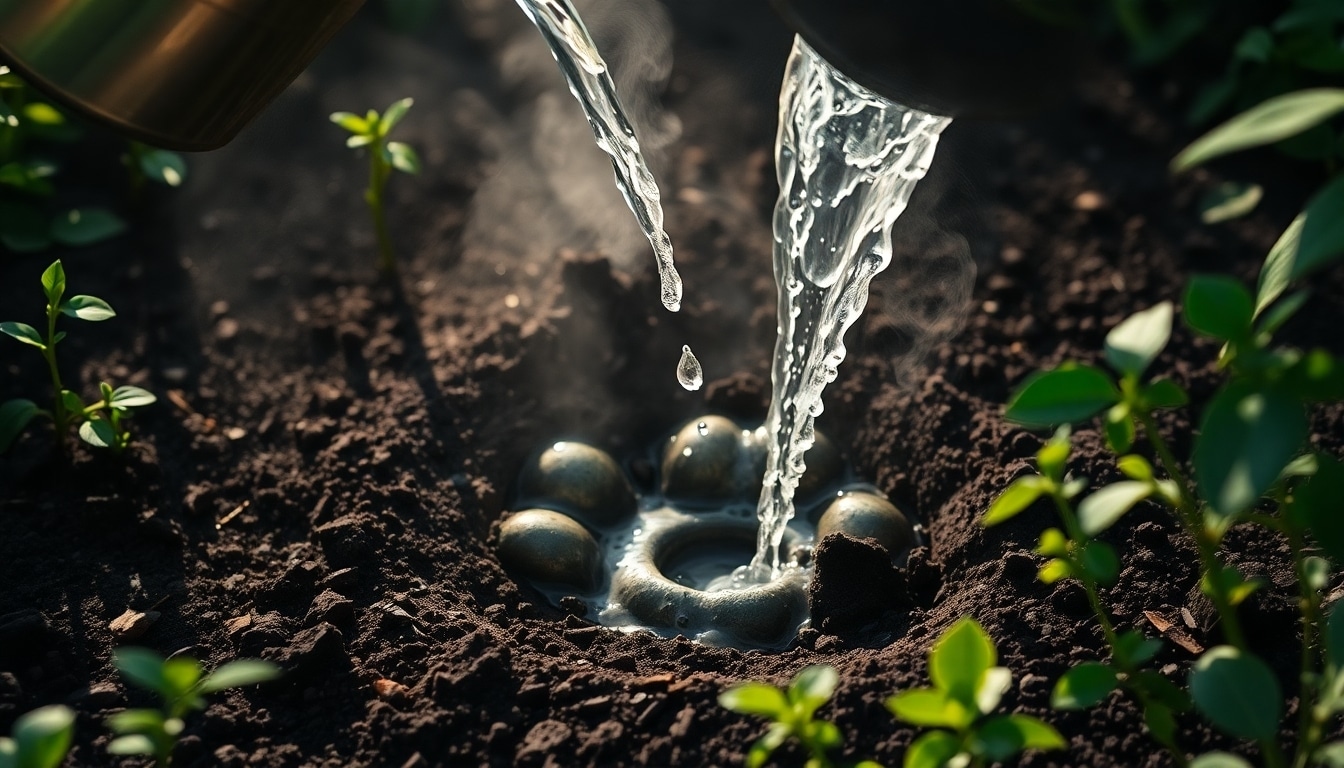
(699, 567)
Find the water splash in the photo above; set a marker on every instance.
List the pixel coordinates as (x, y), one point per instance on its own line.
(588, 79)
(688, 370)
(847, 161)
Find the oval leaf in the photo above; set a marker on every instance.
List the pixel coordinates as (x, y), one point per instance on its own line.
(1219, 760)
(1238, 693)
(23, 332)
(932, 750)
(1105, 506)
(1322, 240)
(929, 708)
(14, 417)
(1019, 495)
(1270, 121)
(237, 674)
(1218, 306)
(1318, 501)
(141, 666)
(89, 308)
(813, 686)
(1083, 686)
(163, 166)
(53, 282)
(1064, 395)
(1133, 344)
(403, 157)
(754, 699)
(959, 659)
(350, 122)
(43, 736)
(98, 433)
(1229, 200)
(1246, 439)
(394, 114)
(131, 397)
(85, 226)
(1277, 271)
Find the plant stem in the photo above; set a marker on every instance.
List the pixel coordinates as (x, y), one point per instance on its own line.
(1187, 513)
(60, 416)
(378, 173)
(1309, 727)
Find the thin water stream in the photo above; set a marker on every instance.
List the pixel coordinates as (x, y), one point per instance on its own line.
(847, 161)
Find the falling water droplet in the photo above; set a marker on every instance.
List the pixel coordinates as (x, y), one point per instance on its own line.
(703, 429)
(688, 370)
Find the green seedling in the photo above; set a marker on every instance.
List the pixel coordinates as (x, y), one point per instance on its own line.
(102, 423)
(27, 178)
(40, 739)
(145, 164)
(371, 131)
(792, 712)
(967, 687)
(181, 686)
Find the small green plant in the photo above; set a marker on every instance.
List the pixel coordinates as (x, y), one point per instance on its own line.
(101, 422)
(1250, 465)
(161, 166)
(371, 131)
(793, 713)
(967, 687)
(181, 687)
(27, 178)
(40, 739)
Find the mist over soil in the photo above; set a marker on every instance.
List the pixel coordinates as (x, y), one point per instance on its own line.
(366, 432)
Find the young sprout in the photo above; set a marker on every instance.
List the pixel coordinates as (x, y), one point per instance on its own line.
(371, 131)
(101, 423)
(179, 683)
(40, 739)
(792, 713)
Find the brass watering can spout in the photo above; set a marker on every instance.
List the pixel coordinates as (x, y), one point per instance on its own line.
(180, 74)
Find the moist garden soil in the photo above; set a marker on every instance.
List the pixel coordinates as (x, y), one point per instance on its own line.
(332, 451)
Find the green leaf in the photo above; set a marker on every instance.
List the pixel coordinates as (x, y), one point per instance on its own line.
(1315, 572)
(1322, 240)
(934, 749)
(813, 686)
(402, 157)
(1257, 44)
(238, 674)
(393, 115)
(355, 142)
(137, 721)
(127, 396)
(1132, 345)
(53, 283)
(1331, 755)
(350, 122)
(85, 226)
(1161, 722)
(23, 228)
(1132, 649)
(1229, 200)
(42, 737)
(1316, 377)
(14, 417)
(1054, 570)
(1066, 394)
(71, 402)
(773, 738)
(1230, 582)
(754, 699)
(1160, 689)
(1335, 636)
(98, 433)
(1318, 500)
(1083, 686)
(1219, 306)
(89, 308)
(1270, 121)
(1135, 467)
(989, 691)
(1237, 692)
(1277, 272)
(181, 674)
(929, 708)
(1219, 760)
(1000, 738)
(824, 734)
(1053, 543)
(163, 166)
(1100, 561)
(1119, 428)
(1105, 506)
(1165, 393)
(959, 659)
(132, 744)
(1054, 455)
(1246, 438)
(1019, 495)
(140, 666)
(1281, 313)
(24, 333)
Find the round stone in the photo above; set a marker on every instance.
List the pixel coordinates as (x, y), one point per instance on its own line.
(580, 479)
(706, 460)
(867, 516)
(549, 546)
(824, 467)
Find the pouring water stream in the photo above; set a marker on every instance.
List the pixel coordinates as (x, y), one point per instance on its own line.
(847, 161)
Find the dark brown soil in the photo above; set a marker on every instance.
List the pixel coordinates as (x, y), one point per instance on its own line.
(359, 435)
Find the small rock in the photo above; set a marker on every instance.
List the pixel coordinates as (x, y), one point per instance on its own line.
(549, 546)
(580, 479)
(237, 624)
(311, 652)
(1088, 201)
(226, 329)
(332, 607)
(868, 516)
(132, 624)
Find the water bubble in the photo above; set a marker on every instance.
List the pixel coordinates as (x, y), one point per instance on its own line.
(689, 372)
(702, 428)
